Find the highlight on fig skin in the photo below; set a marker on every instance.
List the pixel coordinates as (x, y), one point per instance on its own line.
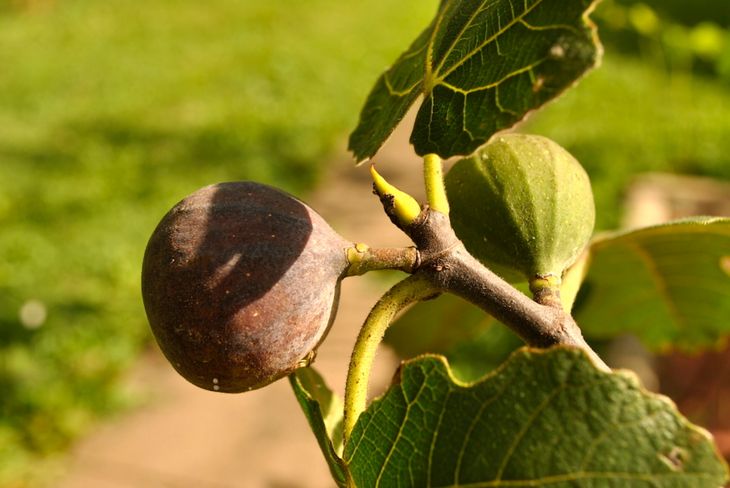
(240, 283)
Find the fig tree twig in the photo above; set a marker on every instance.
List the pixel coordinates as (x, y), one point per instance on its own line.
(447, 264)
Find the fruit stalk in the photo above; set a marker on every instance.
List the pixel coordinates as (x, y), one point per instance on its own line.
(434, 182)
(412, 289)
(363, 259)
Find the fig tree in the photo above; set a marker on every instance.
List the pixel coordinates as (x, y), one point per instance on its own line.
(240, 283)
(522, 205)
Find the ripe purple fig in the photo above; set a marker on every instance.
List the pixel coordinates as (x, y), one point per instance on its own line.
(240, 282)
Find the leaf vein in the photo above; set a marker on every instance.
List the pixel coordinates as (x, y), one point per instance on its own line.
(487, 41)
(530, 421)
(398, 93)
(400, 435)
(610, 428)
(538, 28)
(561, 478)
(458, 37)
(661, 285)
(494, 84)
(472, 426)
(436, 429)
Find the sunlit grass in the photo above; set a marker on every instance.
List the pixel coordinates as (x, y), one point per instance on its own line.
(110, 112)
(631, 116)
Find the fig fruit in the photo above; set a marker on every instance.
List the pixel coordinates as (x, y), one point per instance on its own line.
(240, 283)
(522, 205)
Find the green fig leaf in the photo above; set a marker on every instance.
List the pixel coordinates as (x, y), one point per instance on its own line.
(481, 66)
(668, 284)
(421, 328)
(323, 410)
(545, 418)
(573, 279)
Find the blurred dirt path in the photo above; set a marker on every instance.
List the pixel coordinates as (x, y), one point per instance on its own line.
(188, 437)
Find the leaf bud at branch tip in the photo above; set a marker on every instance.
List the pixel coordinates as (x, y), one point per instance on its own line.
(402, 208)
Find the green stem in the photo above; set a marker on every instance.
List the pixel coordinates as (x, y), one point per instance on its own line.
(410, 290)
(434, 180)
(546, 290)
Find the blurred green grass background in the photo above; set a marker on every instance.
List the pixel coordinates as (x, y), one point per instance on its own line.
(112, 111)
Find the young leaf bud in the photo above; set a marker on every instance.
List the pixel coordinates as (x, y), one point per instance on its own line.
(402, 208)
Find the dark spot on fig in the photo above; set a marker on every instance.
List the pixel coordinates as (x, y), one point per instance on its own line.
(232, 308)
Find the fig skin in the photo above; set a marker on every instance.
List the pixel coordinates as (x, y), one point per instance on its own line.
(522, 205)
(240, 283)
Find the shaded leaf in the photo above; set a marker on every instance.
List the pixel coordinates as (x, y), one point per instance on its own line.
(668, 284)
(546, 418)
(323, 410)
(573, 279)
(436, 326)
(473, 342)
(480, 66)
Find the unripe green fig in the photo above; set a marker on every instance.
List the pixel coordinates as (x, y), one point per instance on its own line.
(522, 205)
(240, 283)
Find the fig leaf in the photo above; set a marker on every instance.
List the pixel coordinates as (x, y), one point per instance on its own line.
(323, 409)
(668, 284)
(546, 417)
(481, 66)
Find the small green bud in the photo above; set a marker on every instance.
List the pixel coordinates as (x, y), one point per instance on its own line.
(399, 205)
(522, 205)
